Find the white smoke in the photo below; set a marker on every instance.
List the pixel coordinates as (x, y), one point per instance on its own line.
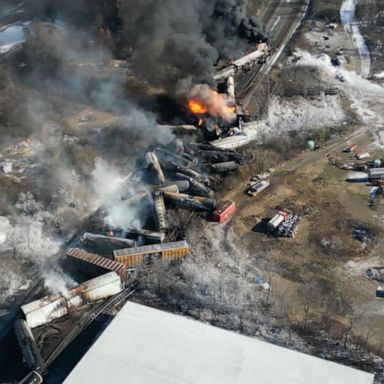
(12, 282)
(109, 186)
(56, 280)
(29, 240)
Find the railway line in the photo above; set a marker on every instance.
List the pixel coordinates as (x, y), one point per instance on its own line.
(282, 24)
(105, 307)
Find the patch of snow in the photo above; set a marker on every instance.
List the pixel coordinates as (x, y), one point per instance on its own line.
(364, 95)
(300, 114)
(4, 228)
(379, 75)
(12, 35)
(347, 16)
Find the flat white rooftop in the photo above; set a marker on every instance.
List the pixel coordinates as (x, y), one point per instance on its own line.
(144, 346)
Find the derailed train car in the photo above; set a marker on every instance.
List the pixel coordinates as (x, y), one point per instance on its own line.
(93, 264)
(142, 256)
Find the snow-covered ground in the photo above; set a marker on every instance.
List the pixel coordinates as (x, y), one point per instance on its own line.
(379, 75)
(12, 35)
(300, 114)
(365, 96)
(288, 115)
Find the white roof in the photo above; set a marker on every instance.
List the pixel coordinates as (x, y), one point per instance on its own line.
(143, 345)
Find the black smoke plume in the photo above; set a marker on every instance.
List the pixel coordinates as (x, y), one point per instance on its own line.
(175, 41)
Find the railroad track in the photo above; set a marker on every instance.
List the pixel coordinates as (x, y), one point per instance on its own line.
(103, 308)
(286, 34)
(107, 306)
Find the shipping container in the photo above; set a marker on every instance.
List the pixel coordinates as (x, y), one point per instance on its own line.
(224, 210)
(93, 264)
(142, 255)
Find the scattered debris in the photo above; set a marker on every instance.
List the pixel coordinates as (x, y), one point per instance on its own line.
(289, 226)
(362, 156)
(86, 117)
(284, 224)
(350, 148)
(22, 148)
(375, 273)
(362, 234)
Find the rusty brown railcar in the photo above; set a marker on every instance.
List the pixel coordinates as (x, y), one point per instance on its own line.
(93, 264)
(141, 256)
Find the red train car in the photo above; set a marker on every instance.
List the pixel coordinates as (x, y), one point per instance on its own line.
(224, 210)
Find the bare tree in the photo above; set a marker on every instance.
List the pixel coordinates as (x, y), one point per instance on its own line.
(266, 301)
(27, 204)
(351, 320)
(309, 298)
(370, 332)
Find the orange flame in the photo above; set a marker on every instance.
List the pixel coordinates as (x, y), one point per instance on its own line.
(204, 100)
(232, 108)
(197, 107)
